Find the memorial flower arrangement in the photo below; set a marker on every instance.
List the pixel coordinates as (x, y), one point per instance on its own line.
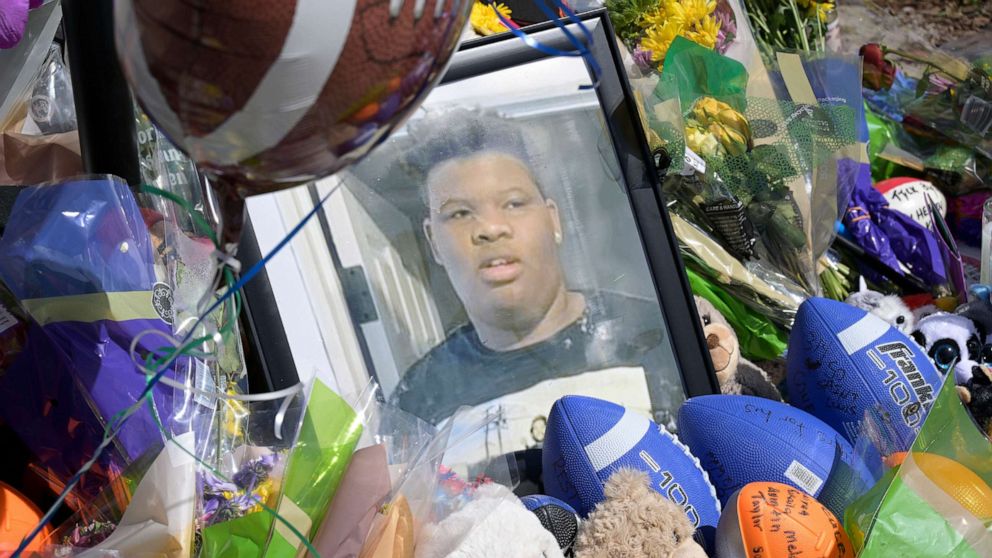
(648, 27)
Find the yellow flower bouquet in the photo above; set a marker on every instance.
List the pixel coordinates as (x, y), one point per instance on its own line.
(648, 27)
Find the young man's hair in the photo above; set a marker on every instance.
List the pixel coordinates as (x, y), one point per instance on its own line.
(460, 133)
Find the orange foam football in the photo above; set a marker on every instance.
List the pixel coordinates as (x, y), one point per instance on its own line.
(775, 520)
(18, 516)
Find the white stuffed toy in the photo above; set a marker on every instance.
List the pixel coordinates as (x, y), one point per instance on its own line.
(493, 525)
(950, 339)
(890, 308)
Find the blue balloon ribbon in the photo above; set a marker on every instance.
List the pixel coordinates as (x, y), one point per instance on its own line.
(118, 420)
(581, 48)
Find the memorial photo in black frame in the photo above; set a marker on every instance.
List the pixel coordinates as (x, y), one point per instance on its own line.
(508, 246)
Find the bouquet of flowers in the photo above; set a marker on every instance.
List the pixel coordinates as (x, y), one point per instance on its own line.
(749, 171)
(648, 27)
(792, 24)
(950, 103)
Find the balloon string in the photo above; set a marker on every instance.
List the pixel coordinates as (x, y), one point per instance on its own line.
(581, 48)
(118, 420)
(199, 220)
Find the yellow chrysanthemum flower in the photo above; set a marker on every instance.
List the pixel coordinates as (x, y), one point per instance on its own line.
(705, 32)
(823, 10)
(816, 9)
(660, 15)
(696, 10)
(658, 39)
(672, 18)
(485, 21)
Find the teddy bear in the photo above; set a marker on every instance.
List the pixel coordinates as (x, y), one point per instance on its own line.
(736, 374)
(634, 520)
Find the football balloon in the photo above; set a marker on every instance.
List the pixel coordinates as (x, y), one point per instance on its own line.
(858, 374)
(588, 439)
(273, 93)
(774, 520)
(771, 441)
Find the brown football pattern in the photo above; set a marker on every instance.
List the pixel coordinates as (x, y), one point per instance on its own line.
(209, 57)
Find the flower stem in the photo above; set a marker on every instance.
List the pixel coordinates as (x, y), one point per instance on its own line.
(821, 42)
(799, 24)
(921, 60)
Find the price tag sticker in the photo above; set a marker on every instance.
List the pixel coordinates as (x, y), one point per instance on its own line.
(693, 162)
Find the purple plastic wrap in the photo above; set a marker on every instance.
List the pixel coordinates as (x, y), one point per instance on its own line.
(867, 234)
(893, 237)
(79, 259)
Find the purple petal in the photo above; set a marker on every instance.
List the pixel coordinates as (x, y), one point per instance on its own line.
(13, 20)
(35, 3)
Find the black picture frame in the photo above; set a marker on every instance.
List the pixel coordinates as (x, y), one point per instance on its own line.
(658, 242)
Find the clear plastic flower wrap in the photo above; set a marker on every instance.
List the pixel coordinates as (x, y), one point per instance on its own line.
(443, 479)
(392, 444)
(935, 499)
(79, 259)
(765, 177)
(38, 139)
(271, 500)
(50, 108)
(763, 290)
(265, 497)
(157, 521)
(938, 123)
(93, 522)
(190, 278)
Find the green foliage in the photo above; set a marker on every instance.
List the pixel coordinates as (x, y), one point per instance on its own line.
(626, 16)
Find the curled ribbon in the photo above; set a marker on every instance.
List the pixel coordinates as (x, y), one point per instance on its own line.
(581, 48)
(180, 348)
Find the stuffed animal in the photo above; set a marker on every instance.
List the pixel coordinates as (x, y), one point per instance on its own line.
(890, 308)
(979, 311)
(736, 374)
(976, 393)
(951, 341)
(636, 521)
(977, 396)
(495, 524)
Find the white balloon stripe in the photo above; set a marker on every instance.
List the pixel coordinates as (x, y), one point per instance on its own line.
(290, 86)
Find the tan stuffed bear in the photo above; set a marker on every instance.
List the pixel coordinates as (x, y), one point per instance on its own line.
(736, 374)
(635, 521)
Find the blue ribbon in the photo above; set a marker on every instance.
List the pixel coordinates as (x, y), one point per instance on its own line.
(581, 49)
(117, 421)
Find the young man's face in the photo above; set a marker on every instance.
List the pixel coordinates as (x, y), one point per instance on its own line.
(496, 236)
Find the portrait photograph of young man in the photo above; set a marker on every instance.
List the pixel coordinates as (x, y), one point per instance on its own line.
(529, 337)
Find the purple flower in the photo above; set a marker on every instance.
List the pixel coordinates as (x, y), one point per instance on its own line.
(939, 84)
(224, 500)
(724, 15)
(89, 535)
(255, 472)
(643, 58)
(214, 485)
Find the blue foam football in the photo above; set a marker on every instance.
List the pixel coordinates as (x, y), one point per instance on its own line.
(845, 365)
(556, 516)
(587, 439)
(741, 439)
